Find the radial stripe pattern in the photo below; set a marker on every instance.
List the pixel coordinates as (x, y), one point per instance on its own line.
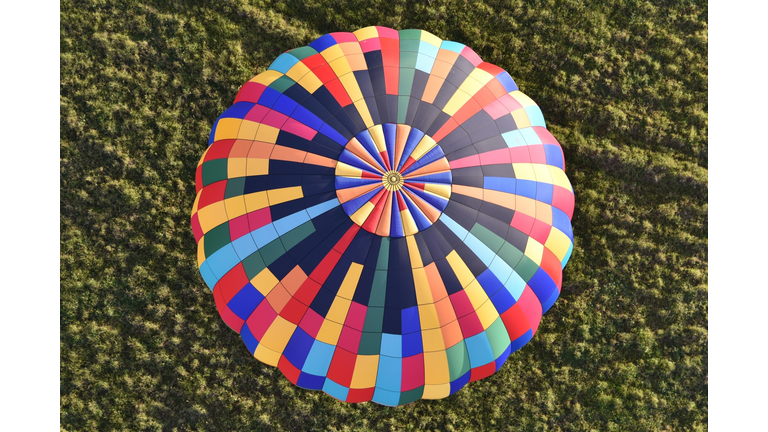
(383, 216)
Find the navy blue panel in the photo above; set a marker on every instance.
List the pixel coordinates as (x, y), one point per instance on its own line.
(245, 301)
(377, 81)
(345, 120)
(405, 285)
(393, 297)
(297, 93)
(374, 60)
(373, 109)
(413, 108)
(322, 301)
(500, 170)
(469, 176)
(447, 234)
(313, 258)
(439, 122)
(392, 108)
(363, 291)
(502, 213)
(319, 198)
(517, 238)
(364, 82)
(495, 142)
(330, 220)
(476, 266)
(382, 106)
(255, 184)
(399, 260)
(445, 94)
(287, 208)
(522, 340)
(451, 282)
(426, 256)
(494, 225)
(357, 251)
(315, 106)
(391, 323)
(479, 119)
(323, 171)
(438, 246)
(412, 344)
(353, 114)
(337, 275)
(310, 382)
(281, 181)
(463, 65)
(305, 246)
(298, 347)
(288, 139)
(484, 132)
(420, 79)
(506, 123)
(461, 381)
(466, 200)
(456, 77)
(461, 214)
(327, 143)
(285, 168)
(282, 266)
(461, 153)
(457, 139)
(324, 96)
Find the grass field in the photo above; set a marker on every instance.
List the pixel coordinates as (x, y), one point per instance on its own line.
(623, 87)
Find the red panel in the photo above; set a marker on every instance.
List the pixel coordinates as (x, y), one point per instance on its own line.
(344, 242)
(468, 161)
(563, 199)
(472, 56)
(289, 370)
(515, 321)
(461, 304)
(356, 316)
(311, 323)
(360, 395)
(545, 136)
(520, 154)
(484, 97)
(495, 157)
(531, 306)
(538, 155)
(468, 110)
(447, 128)
(392, 77)
(490, 68)
(233, 321)
(257, 113)
(212, 193)
(238, 227)
(372, 44)
(483, 371)
(350, 339)
(219, 150)
(540, 231)
(232, 282)
(412, 372)
(522, 222)
(307, 291)
(373, 219)
(470, 325)
(197, 230)
(259, 218)
(250, 92)
(294, 311)
(314, 61)
(339, 92)
(511, 103)
(551, 265)
(198, 178)
(261, 319)
(342, 367)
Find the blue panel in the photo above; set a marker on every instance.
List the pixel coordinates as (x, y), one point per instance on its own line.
(443, 177)
(298, 347)
(350, 182)
(323, 42)
(208, 276)
(319, 358)
(431, 156)
(526, 188)
(244, 246)
(337, 391)
(435, 201)
(503, 357)
(305, 116)
(352, 206)
(460, 382)
(396, 225)
(544, 193)
(479, 349)
(284, 225)
(535, 116)
(269, 97)
(501, 184)
(522, 340)
(546, 304)
(366, 140)
(412, 344)
(223, 260)
(331, 133)
(385, 397)
(543, 286)
(561, 221)
(490, 283)
(391, 345)
(421, 220)
(410, 320)
(507, 81)
(554, 155)
(502, 301)
(389, 375)
(238, 110)
(248, 338)
(413, 140)
(264, 235)
(245, 301)
(285, 105)
(283, 63)
(310, 382)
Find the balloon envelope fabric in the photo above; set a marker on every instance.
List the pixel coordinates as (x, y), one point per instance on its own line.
(383, 216)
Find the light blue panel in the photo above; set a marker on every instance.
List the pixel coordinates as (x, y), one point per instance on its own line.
(530, 135)
(480, 351)
(385, 397)
(456, 228)
(223, 260)
(428, 49)
(264, 235)
(208, 276)
(391, 345)
(514, 139)
(567, 255)
(500, 269)
(335, 390)
(244, 246)
(389, 374)
(535, 116)
(290, 222)
(319, 359)
(321, 208)
(424, 63)
(283, 63)
(479, 248)
(452, 46)
(515, 285)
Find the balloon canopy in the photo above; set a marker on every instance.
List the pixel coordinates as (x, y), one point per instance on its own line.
(383, 216)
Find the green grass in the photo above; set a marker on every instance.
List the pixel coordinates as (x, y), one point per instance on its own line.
(623, 87)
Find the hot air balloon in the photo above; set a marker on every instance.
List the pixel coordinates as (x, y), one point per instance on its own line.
(383, 216)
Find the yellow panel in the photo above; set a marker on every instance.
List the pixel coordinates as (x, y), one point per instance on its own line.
(421, 283)
(331, 53)
(436, 391)
(409, 225)
(487, 314)
(310, 82)
(432, 338)
(201, 251)
(430, 38)
(476, 294)
(525, 205)
(256, 201)
(471, 85)
(202, 158)
(521, 118)
(212, 216)
(558, 243)
(349, 285)
(256, 167)
(345, 170)
(559, 178)
(248, 130)
(329, 332)
(194, 204)
(297, 71)
(236, 167)
(278, 196)
(522, 98)
(534, 250)
(524, 171)
(499, 198)
(544, 212)
(462, 271)
(360, 216)
(266, 355)
(267, 77)
(430, 321)
(457, 101)
(426, 144)
(267, 134)
(350, 85)
(227, 128)
(415, 255)
(338, 310)
(436, 368)
(341, 67)
(235, 207)
(481, 76)
(362, 109)
(366, 33)
(377, 134)
(350, 48)
(264, 281)
(442, 190)
(278, 334)
(357, 62)
(542, 173)
(366, 369)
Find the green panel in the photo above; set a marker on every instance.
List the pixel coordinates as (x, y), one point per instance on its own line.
(498, 337)
(272, 251)
(409, 34)
(402, 108)
(510, 254)
(406, 81)
(411, 395)
(216, 239)
(281, 84)
(296, 235)
(214, 170)
(303, 52)
(487, 237)
(378, 289)
(408, 59)
(526, 268)
(253, 265)
(374, 317)
(235, 187)
(370, 343)
(458, 360)
(383, 261)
